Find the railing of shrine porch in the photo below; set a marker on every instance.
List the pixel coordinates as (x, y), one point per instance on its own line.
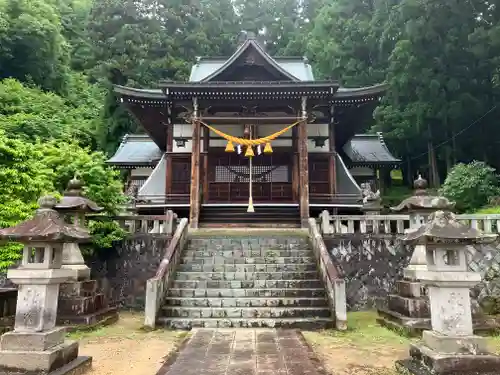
(394, 224)
(142, 224)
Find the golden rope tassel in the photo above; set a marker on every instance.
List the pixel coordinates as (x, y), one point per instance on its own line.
(229, 146)
(249, 153)
(268, 149)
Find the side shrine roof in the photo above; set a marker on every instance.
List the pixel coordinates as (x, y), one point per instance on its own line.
(369, 149)
(136, 150)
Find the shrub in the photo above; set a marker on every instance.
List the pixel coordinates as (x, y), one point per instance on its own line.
(471, 185)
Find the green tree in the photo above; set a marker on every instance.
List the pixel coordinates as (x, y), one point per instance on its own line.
(23, 179)
(29, 113)
(33, 47)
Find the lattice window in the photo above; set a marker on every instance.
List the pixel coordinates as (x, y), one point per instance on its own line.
(261, 173)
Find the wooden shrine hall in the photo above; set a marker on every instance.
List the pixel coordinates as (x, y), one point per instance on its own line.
(249, 136)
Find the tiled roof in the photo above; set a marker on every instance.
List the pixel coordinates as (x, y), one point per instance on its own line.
(369, 148)
(136, 150)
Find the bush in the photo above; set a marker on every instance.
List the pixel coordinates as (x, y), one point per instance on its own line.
(471, 185)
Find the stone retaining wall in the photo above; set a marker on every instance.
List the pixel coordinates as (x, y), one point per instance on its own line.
(123, 273)
(371, 265)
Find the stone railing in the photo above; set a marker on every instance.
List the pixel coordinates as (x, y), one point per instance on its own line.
(334, 283)
(8, 298)
(156, 287)
(393, 224)
(143, 224)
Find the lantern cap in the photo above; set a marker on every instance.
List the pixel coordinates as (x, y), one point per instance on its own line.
(46, 226)
(73, 199)
(444, 226)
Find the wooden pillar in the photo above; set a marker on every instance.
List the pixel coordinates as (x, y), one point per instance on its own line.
(303, 166)
(194, 199)
(331, 145)
(295, 166)
(169, 150)
(206, 145)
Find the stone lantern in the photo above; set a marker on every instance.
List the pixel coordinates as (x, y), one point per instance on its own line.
(81, 305)
(36, 346)
(450, 347)
(408, 308)
(419, 206)
(74, 206)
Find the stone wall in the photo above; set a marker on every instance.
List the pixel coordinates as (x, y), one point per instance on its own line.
(123, 272)
(372, 263)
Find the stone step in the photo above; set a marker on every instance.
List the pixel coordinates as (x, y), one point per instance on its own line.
(231, 293)
(249, 260)
(246, 312)
(255, 267)
(268, 253)
(284, 241)
(296, 323)
(244, 302)
(286, 275)
(246, 284)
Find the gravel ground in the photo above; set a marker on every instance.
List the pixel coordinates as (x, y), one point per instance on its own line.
(124, 348)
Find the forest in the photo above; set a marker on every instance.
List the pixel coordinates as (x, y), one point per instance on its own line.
(60, 58)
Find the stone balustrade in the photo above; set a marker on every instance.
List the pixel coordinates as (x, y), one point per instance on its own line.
(156, 287)
(143, 224)
(395, 224)
(331, 276)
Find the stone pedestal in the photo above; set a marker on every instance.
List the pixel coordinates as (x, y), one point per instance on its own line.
(406, 310)
(81, 306)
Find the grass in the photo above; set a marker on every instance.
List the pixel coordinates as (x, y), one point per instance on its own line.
(130, 326)
(364, 331)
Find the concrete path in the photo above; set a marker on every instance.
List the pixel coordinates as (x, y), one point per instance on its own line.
(245, 352)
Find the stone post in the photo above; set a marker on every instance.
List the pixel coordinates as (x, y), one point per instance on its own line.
(450, 347)
(80, 303)
(408, 309)
(36, 346)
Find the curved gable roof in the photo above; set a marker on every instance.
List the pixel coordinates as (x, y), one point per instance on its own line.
(249, 43)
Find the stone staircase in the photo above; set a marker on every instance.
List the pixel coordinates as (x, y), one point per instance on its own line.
(247, 280)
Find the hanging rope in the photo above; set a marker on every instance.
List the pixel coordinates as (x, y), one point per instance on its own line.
(250, 142)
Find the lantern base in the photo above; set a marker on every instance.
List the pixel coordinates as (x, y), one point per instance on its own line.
(60, 359)
(426, 361)
(82, 306)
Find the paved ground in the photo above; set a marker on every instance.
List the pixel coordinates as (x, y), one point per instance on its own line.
(245, 352)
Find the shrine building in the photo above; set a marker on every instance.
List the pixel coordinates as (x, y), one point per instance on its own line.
(252, 137)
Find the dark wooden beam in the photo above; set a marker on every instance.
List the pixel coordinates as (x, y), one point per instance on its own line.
(331, 145)
(295, 165)
(271, 120)
(303, 167)
(206, 146)
(169, 148)
(194, 198)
